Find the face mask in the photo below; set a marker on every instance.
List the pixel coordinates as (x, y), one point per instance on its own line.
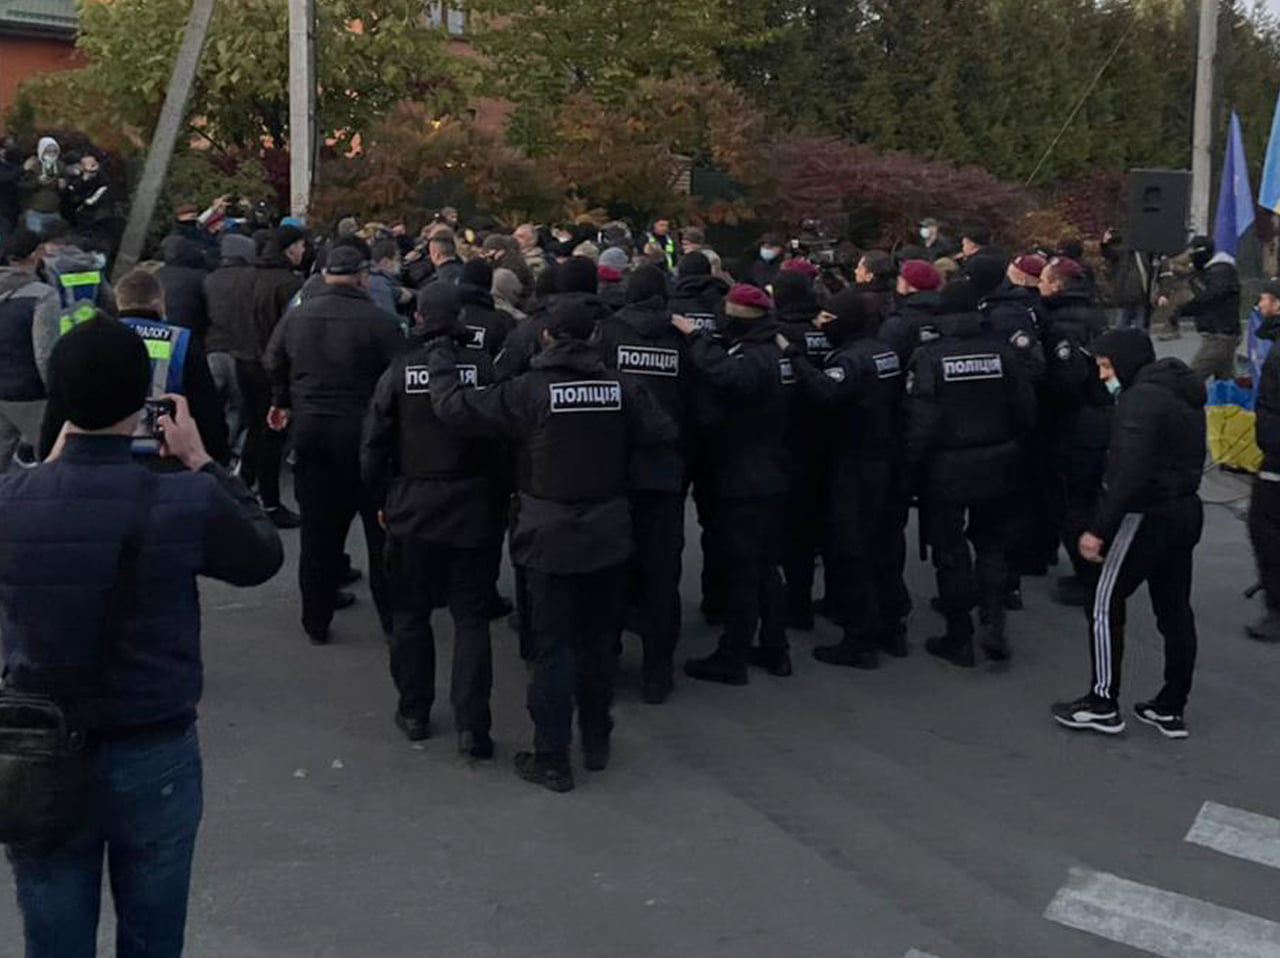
(925, 233)
(1113, 386)
(768, 254)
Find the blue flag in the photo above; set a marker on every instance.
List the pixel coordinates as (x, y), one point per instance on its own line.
(1235, 197)
(1269, 191)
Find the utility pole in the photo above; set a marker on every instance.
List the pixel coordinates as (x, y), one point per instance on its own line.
(302, 104)
(166, 136)
(1202, 136)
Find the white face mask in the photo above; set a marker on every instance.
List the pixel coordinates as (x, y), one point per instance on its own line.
(1113, 385)
(926, 233)
(768, 254)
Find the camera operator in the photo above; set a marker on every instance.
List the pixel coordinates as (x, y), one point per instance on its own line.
(98, 564)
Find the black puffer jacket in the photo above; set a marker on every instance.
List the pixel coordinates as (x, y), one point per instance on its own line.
(1157, 450)
(182, 276)
(1216, 303)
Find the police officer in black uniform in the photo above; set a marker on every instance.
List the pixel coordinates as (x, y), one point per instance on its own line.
(441, 517)
(797, 309)
(969, 403)
(699, 296)
(752, 382)
(859, 384)
(1077, 412)
(324, 360)
(576, 425)
(641, 344)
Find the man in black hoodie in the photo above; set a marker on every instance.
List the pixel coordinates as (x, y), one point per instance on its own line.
(752, 382)
(859, 387)
(699, 297)
(489, 326)
(441, 516)
(641, 344)
(1216, 308)
(577, 425)
(182, 276)
(1148, 522)
(969, 405)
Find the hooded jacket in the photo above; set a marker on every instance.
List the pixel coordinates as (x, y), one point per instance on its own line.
(969, 404)
(640, 343)
(275, 284)
(29, 312)
(69, 260)
(1157, 448)
(182, 276)
(41, 192)
(487, 325)
(228, 291)
(436, 482)
(1216, 301)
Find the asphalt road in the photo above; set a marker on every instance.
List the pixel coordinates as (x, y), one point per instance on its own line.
(830, 815)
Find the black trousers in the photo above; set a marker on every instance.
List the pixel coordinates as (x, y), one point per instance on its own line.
(706, 499)
(750, 542)
(327, 477)
(1155, 548)
(263, 447)
(572, 652)
(968, 579)
(1264, 532)
(425, 576)
(866, 549)
(657, 521)
(804, 530)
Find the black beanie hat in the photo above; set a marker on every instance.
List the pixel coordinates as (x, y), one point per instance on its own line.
(576, 275)
(959, 296)
(986, 272)
(478, 273)
(99, 373)
(439, 305)
(857, 314)
(647, 282)
(694, 264)
(1129, 351)
(576, 318)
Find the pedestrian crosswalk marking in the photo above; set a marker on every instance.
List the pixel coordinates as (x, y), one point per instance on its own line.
(1233, 831)
(1159, 922)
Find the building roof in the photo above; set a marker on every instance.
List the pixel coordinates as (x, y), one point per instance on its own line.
(45, 17)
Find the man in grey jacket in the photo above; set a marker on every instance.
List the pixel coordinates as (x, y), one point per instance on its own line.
(29, 311)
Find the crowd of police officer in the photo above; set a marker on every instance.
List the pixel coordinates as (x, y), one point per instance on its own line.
(804, 424)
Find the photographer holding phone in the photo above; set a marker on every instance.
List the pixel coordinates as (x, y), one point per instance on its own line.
(178, 366)
(100, 616)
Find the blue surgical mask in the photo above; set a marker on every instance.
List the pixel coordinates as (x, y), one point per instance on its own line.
(1113, 385)
(768, 254)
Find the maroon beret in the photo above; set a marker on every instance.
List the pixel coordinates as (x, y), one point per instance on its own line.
(607, 274)
(1030, 264)
(747, 302)
(1066, 268)
(801, 266)
(921, 274)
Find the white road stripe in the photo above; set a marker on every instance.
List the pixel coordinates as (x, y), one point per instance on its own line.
(913, 953)
(1232, 831)
(1159, 922)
